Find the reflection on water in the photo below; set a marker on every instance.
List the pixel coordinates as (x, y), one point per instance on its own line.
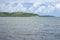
(29, 28)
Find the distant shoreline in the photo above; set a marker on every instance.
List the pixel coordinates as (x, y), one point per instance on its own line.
(22, 14)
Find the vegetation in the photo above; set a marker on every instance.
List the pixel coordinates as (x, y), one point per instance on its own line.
(20, 14)
(46, 16)
(16, 14)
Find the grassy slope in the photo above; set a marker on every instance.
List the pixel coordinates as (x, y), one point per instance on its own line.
(20, 14)
(16, 14)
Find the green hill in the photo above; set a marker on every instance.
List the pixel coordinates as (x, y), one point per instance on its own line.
(17, 14)
(21, 14)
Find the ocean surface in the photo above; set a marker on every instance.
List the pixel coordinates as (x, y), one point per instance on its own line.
(29, 28)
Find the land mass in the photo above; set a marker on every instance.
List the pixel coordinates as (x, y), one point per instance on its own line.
(21, 14)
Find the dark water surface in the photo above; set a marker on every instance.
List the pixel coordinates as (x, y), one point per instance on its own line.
(29, 28)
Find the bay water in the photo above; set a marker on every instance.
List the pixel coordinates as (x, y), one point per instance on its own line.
(29, 28)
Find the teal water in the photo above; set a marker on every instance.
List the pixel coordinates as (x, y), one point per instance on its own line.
(29, 28)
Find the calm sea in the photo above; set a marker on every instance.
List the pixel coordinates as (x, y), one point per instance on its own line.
(29, 28)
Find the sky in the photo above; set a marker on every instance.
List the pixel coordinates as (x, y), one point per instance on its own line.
(41, 7)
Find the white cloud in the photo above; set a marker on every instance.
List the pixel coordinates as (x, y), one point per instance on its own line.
(50, 9)
(40, 9)
(3, 7)
(16, 5)
(36, 6)
(12, 7)
(57, 5)
(46, 10)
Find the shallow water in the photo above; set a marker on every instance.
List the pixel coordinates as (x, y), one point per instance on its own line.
(29, 28)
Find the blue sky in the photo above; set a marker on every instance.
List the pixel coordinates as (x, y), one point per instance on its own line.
(41, 7)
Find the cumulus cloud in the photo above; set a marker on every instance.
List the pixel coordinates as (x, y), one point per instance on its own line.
(48, 7)
(45, 10)
(3, 7)
(16, 6)
(40, 9)
(57, 9)
(39, 6)
(12, 7)
(57, 5)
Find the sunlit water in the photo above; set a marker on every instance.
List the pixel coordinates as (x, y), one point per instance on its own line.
(29, 28)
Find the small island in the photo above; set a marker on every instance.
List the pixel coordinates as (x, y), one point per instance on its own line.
(46, 16)
(21, 14)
